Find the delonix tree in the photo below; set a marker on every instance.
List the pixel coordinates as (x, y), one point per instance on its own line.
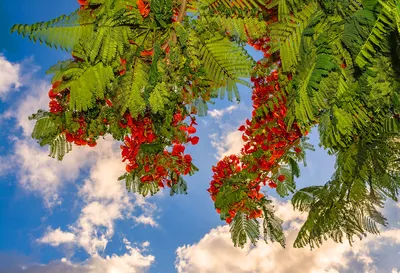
(142, 71)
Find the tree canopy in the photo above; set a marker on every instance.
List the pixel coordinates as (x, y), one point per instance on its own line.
(143, 71)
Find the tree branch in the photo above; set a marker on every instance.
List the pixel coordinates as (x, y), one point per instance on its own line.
(182, 11)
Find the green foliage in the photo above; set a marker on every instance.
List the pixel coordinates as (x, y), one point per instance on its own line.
(238, 28)
(47, 132)
(86, 84)
(272, 225)
(348, 205)
(159, 98)
(342, 56)
(287, 186)
(225, 63)
(133, 184)
(287, 34)
(243, 228)
(377, 39)
(131, 88)
(63, 32)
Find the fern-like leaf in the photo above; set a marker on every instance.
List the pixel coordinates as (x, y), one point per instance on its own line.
(226, 64)
(243, 228)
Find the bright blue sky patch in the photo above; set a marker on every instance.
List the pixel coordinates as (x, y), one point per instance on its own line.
(74, 216)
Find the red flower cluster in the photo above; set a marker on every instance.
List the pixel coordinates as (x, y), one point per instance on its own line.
(267, 130)
(162, 168)
(80, 137)
(141, 132)
(55, 99)
(265, 134)
(143, 7)
(225, 169)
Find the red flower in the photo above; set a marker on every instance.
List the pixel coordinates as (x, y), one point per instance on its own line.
(272, 184)
(56, 84)
(52, 95)
(109, 103)
(191, 130)
(151, 137)
(143, 8)
(82, 2)
(194, 140)
(178, 149)
(297, 150)
(242, 128)
(187, 159)
(145, 53)
(229, 220)
(281, 178)
(69, 137)
(92, 143)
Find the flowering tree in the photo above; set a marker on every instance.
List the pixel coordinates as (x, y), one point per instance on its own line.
(143, 71)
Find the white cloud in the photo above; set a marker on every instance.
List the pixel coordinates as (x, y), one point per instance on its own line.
(9, 76)
(57, 237)
(134, 260)
(219, 113)
(38, 173)
(215, 253)
(227, 144)
(104, 198)
(146, 220)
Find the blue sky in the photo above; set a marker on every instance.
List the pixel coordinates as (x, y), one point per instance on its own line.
(73, 216)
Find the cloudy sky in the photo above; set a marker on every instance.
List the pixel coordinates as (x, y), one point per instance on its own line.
(74, 216)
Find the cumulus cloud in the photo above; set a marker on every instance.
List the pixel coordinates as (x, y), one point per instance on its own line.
(219, 113)
(227, 139)
(38, 173)
(9, 76)
(227, 144)
(146, 220)
(135, 260)
(104, 199)
(215, 253)
(57, 237)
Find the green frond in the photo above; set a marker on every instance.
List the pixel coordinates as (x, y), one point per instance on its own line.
(226, 63)
(180, 187)
(272, 226)
(130, 89)
(243, 228)
(240, 28)
(85, 83)
(225, 5)
(63, 32)
(107, 43)
(377, 40)
(288, 185)
(346, 205)
(287, 34)
(159, 98)
(47, 132)
(46, 129)
(287, 6)
(133, 184)
(60, 147)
